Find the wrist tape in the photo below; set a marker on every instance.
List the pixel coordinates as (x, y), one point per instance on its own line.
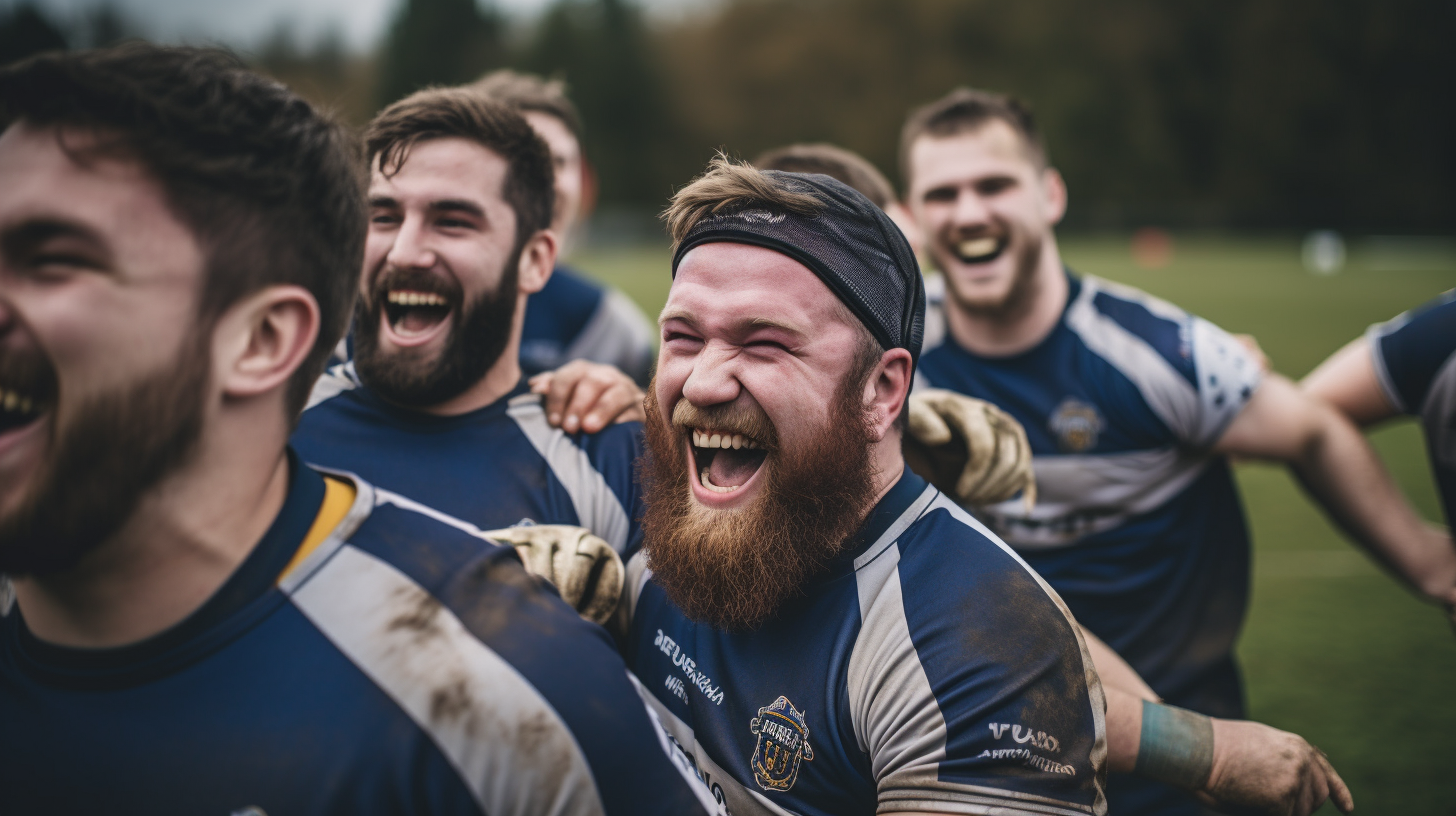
(1176, 746)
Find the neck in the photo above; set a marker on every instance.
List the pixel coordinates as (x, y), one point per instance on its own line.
(1018, 329)
(889, 464)
(500, 380)
(186, 537)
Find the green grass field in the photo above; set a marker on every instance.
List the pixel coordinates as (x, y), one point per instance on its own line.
(1333, 649)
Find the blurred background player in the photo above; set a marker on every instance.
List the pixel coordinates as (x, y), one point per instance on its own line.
(196, 622)
(825, 632)
(434, 405)
(1258, 767)
(1131, 406)
(572, 317)
(1406, 365)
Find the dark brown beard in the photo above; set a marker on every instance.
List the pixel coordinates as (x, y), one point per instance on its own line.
(118, 447)
(480, 335)
(735, 569)
(1021, 294)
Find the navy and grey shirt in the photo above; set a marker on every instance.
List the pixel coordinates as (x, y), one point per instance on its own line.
(493, 467)
(1136, 526)
(1415, 360)
(928, 669)
(573, 317)
(364, 659)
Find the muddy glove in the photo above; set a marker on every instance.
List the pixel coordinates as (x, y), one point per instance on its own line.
(968, 448)
(583, 568)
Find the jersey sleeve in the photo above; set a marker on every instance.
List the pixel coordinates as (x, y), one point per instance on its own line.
(969, 686)
(1409, 350)
(635, 766)
(1227, 375)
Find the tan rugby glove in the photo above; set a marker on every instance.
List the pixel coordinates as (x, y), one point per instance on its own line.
(968, 448)
(583, 568)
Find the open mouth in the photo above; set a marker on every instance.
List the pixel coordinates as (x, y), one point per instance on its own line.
(725, 461)
(27, 392)
(979, 250)
(415, 314)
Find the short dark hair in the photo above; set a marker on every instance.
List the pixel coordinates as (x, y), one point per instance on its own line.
(964, 110)
(833, 161)
(438, 113)
(529, 92)
(270, 186)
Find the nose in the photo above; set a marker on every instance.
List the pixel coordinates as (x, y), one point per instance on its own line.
(411, 249)
(970, 210)
(713, 379)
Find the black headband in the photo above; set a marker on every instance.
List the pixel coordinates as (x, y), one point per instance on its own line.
(850, 244)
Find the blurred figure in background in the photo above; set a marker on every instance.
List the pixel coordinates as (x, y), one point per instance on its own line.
(1131, 406)
(1405, 366)
(572, 317)
(196, 621)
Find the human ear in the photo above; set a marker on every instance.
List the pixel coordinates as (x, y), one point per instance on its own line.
(1054, 194)
(262, 339)
(885, 391)
(538, 258)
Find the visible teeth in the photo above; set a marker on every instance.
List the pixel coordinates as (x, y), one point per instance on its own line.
(976, 247)
(15, 402)
(708, 483)
(706, 439)
(404, 298)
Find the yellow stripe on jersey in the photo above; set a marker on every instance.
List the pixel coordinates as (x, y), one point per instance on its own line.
(338, 498)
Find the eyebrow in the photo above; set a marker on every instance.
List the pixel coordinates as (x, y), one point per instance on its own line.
(27, 235)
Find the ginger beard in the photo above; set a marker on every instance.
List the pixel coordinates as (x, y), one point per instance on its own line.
(977, 247)
(479, 336)
(118, 446)
(734, 569)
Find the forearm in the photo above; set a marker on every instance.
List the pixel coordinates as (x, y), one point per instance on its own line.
(1340, 470)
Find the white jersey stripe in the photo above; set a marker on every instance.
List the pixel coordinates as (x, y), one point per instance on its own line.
(508, 744)
(597, 508)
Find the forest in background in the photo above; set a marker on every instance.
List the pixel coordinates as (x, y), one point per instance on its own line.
(1234, 114)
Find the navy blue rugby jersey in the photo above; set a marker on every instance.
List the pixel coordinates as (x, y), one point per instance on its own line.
(1138, 528)
(493, 467)
(364, 659)
(575, 318)
(1415, 360)
(928, 669)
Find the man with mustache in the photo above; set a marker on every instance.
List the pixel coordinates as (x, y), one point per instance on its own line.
(194, 620)
(1131, 407)
(434, 405)
(1260, 767)
(822, 630)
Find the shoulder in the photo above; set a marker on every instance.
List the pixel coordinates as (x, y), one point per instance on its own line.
(336, 380)
(1411, 349)
(1195, 376)
(572, 292)
(517, 690)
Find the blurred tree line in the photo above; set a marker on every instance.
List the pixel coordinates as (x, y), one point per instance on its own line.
(1234, 113)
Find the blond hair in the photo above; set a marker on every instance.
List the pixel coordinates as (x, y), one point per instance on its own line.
(728, 187)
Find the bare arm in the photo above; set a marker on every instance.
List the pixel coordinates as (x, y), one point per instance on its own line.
(1340, 470)
(1347, 381)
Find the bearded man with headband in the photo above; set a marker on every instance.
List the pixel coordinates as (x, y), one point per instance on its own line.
(823, 631)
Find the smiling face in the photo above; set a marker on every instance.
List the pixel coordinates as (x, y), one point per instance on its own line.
(759, 433)
(102, 376)
(986, 210)
(439, 292)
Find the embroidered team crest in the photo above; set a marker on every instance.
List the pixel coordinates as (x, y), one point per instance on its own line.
(1076, 425)
(783, 740)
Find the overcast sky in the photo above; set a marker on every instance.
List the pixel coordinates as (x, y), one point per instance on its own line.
(246, 22)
